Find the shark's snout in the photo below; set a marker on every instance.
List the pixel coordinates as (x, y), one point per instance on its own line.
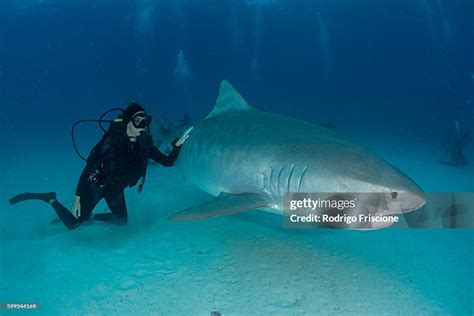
(402, 194)
(403, 202)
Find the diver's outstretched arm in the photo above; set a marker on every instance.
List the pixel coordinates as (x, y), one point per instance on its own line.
(165, 160)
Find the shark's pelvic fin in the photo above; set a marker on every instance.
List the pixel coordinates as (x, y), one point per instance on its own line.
(224, 204)
(228, 100)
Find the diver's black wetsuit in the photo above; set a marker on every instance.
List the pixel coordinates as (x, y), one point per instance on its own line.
(113, 164)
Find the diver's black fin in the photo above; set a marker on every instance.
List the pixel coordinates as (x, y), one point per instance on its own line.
(46, 197)
(63, 213)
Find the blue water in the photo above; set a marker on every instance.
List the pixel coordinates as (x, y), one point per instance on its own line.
(392, 75)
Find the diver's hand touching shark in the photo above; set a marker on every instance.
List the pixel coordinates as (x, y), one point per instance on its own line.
(185, 136)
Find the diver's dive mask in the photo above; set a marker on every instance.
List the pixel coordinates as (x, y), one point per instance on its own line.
(141, 120)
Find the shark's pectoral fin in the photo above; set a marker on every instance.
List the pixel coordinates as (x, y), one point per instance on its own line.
(224, 204)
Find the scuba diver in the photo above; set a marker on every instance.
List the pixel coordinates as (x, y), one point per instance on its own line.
(117, 161)
(456, 156)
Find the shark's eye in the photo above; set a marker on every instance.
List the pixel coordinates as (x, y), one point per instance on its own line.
(394, 195)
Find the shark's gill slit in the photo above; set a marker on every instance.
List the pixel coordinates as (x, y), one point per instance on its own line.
(289, 178)
(278, 180)
(301, 178)
(262, 185)
(270, 181)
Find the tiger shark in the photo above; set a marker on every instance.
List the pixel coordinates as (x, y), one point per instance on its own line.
(248, 159)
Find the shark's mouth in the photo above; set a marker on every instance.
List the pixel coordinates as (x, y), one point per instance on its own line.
(414, 208)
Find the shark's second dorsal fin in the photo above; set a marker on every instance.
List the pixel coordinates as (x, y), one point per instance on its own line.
(228, 100)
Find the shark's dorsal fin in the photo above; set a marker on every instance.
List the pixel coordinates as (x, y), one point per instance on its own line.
(228, 100)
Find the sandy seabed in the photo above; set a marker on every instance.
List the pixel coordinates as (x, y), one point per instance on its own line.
(244, 264)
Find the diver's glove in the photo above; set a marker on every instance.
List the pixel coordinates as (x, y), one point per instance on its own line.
(185, 137)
